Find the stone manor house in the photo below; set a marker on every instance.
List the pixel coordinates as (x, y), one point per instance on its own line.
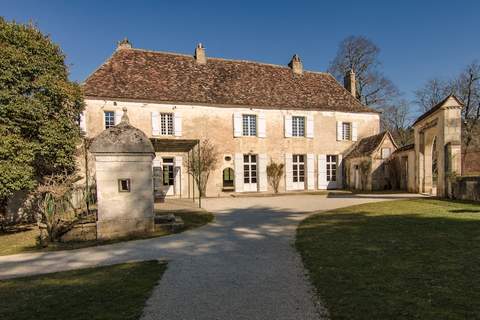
(254, 113)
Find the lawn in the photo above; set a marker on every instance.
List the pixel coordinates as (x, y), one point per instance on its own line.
(25, 239)
(407, 259)
(113, 292)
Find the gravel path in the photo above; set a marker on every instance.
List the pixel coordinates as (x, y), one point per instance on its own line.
(242, 266)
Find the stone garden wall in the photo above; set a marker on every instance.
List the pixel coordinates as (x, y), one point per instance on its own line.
(466, 188)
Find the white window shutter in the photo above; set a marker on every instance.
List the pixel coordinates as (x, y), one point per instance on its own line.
(238, 172)
(339, 131)
(157, 174)
(262, 170)
(339, 171)
(310, 171)
(178, 174)
(354, 131)
(118, 116)
(310, 127)
(83, 122)
(322, 171)
(288, 125)
(237, 124)
(288, 172)
(177, 124)
(155, 123)
(262, 127)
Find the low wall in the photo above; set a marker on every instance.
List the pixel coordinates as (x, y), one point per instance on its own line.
(466, 188)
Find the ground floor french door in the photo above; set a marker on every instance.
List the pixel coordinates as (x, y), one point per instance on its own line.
(298, 172)
(164, 178)
(250, 173)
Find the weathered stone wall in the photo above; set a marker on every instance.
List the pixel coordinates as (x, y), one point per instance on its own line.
(466, 188)
(216, 123)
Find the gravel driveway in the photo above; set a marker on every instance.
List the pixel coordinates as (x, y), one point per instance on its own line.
(242, 266)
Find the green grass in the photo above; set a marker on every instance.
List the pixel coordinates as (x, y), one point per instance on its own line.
(25, 239)
(113, 292)
(407, 259)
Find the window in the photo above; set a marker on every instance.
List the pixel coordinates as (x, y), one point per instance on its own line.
(168, 173)
(123, 185)
(250, 168)
(166, 124)
(298, 168)
(249, 122)
(346, 131)
(109, 119)
(331, 167)
(228, 178)
(298, 126)
(386, 153)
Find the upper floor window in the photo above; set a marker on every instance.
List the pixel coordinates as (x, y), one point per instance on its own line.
(386, 153)
(166, 124)
(298, 126)
(346, 131)
(109, 119)
(249, 123)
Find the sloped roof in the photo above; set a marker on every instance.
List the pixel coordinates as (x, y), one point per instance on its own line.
(437, 107)
(169, 77)
(406, 147)
(367, 146)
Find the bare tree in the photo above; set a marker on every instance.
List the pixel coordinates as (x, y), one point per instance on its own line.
(274, 174)
(431, 93)
(201, 165)
(360, 54)
(396, 119)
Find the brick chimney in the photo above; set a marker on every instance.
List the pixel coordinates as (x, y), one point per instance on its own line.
(200, 55)
(296, 64)
(350, 83)
(124, 44)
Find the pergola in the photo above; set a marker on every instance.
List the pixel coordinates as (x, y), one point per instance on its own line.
(182, 145)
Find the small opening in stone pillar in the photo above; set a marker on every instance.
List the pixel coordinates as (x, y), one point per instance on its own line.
(123, 185)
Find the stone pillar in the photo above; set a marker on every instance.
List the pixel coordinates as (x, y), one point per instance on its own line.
(123, 162)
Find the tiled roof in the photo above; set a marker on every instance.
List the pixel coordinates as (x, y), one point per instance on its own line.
(368, 145)
(406, 147)
(168, 77)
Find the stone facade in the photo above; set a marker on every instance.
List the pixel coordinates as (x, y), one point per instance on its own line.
(216, 123)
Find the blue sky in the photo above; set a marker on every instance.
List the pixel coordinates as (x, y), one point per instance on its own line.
(418, 39)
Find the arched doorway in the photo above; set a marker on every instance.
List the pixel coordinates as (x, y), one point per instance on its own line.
(228, 179)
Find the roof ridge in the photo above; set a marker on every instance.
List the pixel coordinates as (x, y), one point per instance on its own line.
(228, 59)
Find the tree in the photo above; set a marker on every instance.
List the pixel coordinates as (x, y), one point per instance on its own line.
(274, 174)
(360, 54)
(396, 119)
(39, 110)
(431, 93)
(201, 165)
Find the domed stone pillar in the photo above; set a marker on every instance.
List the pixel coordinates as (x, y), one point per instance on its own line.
(123, 163)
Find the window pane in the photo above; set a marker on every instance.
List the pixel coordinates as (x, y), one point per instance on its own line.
(253, 157)
(109, 119)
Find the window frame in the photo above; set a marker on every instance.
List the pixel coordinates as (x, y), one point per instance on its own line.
(331, 167)
(346, 137)
(128, 185)
(105, 112)
(382, 153)
(249, 130)
(250, 169)
(167, 125)
(299, 127)
(298, 168)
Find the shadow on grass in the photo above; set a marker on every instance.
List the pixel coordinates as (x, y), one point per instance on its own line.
(398, 260)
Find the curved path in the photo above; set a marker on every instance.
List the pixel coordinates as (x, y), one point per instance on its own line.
(242, 266)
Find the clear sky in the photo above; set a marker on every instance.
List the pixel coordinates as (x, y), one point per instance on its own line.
(419, 39)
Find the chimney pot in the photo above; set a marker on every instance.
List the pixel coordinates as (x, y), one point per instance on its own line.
(296, 64)
(350, 82)
(200, 56)
(124, 44)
